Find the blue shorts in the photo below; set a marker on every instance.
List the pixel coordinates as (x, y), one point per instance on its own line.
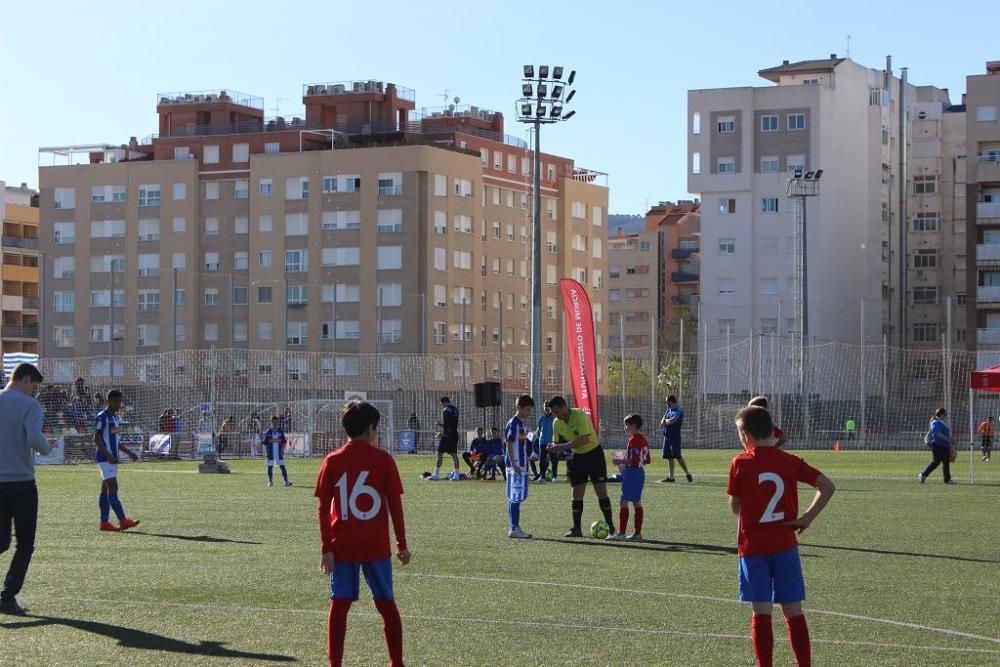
(633, 479)
(772, 578)
(671, 447)
(517, 486)
(345, 582)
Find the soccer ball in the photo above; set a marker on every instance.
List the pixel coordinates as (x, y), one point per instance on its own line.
(599, 529)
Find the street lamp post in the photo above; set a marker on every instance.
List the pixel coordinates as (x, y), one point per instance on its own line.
(544, 98)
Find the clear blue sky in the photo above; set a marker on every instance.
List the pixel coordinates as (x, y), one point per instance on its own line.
(76, 72)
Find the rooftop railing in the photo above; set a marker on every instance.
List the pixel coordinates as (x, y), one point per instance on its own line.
(218, 95)
(356, 87)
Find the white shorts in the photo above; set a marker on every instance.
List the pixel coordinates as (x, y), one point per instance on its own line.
(253, 439)
(108, 470)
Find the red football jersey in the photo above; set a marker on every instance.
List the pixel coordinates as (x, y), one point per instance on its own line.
(637, 452)
(766, 480)
(356, 485)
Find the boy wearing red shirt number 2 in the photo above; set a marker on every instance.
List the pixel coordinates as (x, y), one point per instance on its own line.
(358, 490)
(763, 491)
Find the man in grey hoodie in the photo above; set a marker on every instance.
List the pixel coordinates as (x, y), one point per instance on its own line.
(21, 421)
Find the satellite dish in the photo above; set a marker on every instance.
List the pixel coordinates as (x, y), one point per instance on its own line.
(457, 99)
(451, 107)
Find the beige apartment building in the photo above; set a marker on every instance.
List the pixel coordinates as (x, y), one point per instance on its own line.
(363, 232)
(633, 293)
(982, 206)
(839, 120)
(19, 271)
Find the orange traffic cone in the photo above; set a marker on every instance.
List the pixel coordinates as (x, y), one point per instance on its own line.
(836, 446)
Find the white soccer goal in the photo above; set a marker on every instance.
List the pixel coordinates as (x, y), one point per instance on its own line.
(317, 421)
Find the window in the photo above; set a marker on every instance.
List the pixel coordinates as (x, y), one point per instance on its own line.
(297, 187)
(148, 300)
(296, 261)
(390, 257)
(336, 220)
(296, 224)
(550, 274)
(727, 326)
(727, 124)
(768, 286)
(211, 226)
(265, 223)
(107, 229)
(347, 366)
(241, 189)
(266, 187)
(497, 160)
(264, 295)
(296, 333)
(390, 220)
(925, 259)
(179, 297)
(211, 331)
(211, 261)
(463, 224)
(211, 296)
(796, 121)
(769, 326)
(391, 331)
(240, 335)
(986, 114)
(795, 162)
(441, 184)
(770, 165)
(578, 209)
(462, 259)
(463, 187)
(348, 329)
(696, 123)
(768, 245)
(272, 147)
(241, 261)
(63, 302)
(392, 294)
(183, 153)
(63, 336)
(241, 296)
(440, 259)
(107, 193)
(925, 296)
(241, 152)
(727, 286)
(65, 198)
(211, 190)
(178, 225)
(727, 206)
(149, 195)
(64, 233)
(769, 123)
(925, 332)
(296, 295)
(440, 222)
(341, 256)
(727, 246)
(265, 331)
(924, 185)
(390, 184)
(241, 225)
(769, 205)
(149, 265)
(440, 296)
(598, 246)
(107, 263)
(726, 165)
(264, 259)
(347, 293)
(149, 230)
(210, 154)
(925, 222)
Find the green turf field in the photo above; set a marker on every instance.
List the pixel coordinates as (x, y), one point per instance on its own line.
(225, 571)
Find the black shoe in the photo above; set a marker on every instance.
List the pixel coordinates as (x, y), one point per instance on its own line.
(666, 479)
(690, 478)
(575, 532)
(10, 606)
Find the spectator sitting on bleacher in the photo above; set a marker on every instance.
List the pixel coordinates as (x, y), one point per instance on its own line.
(494, 456)
(476, 456)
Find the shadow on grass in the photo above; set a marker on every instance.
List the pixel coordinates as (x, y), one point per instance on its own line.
(886, 552)
(140, 639)
(648, 545)
(189, 538)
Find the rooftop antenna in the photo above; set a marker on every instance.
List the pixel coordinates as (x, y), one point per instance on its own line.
(277, 105)
(848, 46)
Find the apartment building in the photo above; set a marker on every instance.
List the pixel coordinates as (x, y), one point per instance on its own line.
(19, 271)
(839, 120)
(678, 228)
(633, 292)
(982, 209)
(361, 227)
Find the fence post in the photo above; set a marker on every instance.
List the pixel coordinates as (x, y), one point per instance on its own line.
(862, 421)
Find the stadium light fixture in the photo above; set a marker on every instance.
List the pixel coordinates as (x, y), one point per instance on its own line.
(525, 109)
(556, 111)
(557, 72)
(572, 77)
(526, 89)
(557, 91)
(797, 173)
(543, 71)
(540, 111)
(819, 172)
(543, 90)
(569, 115)
(809, 175)
(570, 96)
(529, 71)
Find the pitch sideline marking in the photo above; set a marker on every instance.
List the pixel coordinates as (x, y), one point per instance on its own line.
(543, 624)
(691, 596)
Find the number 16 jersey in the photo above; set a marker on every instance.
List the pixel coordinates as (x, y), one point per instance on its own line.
(765, 479)
(356, 483)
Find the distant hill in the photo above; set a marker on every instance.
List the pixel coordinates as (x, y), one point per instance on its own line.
(629, 223)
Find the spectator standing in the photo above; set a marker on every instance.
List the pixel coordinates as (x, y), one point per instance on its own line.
(448, 444)
(938, 438)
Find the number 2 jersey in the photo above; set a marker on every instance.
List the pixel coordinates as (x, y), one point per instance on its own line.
(358, 488)
(766, 479)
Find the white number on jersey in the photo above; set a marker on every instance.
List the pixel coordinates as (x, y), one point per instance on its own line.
(349, 504)
(769, 514)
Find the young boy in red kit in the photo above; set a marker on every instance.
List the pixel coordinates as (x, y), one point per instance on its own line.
(358, 490)
(763, 491)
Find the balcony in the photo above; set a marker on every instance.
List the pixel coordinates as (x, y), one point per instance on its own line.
(683, 253)
(19, 242)
(986, 294)
(988, 167)
(988, 253)
(18, 331)
(683, 277)
(30, 303)
(989, 337)
(988, 213)
(679, 300)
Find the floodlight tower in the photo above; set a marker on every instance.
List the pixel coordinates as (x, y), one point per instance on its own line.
(544, 99)
(801, 186)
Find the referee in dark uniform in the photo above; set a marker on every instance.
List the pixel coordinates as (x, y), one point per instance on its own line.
(21, 421)
(448, 444)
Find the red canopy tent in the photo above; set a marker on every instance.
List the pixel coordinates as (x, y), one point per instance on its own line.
(987, 379)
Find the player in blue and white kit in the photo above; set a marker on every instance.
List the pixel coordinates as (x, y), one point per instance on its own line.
(516, 461)
(106, 440)
(274, 447)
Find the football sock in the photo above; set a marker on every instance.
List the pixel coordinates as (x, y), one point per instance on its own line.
(105, 505)
(763, 639)
(270, 473)
(514, 510)
(555, 467)
(116, 505)
(577, 513)
(605, 504)
(437, 471)
(392, 628)
(284, 473)
(798, 636)
(638, 519)
(622, 519)
(336, 629)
